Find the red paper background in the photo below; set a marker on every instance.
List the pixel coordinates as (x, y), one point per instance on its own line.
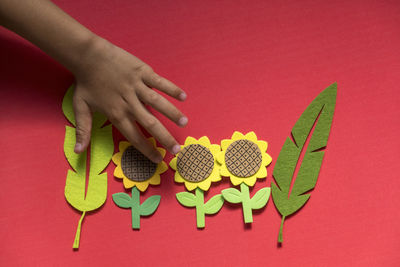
(246, 65)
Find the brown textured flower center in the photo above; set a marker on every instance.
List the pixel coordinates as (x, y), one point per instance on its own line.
(195, 163)
(136, 166)
(243, 158)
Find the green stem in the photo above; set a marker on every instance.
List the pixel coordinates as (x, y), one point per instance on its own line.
(246, 204)
(135, 208)
(280, 238)
(78, 232)
(200, 214)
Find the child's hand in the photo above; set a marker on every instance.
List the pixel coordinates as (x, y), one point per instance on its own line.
(109, 79)
(117, 84)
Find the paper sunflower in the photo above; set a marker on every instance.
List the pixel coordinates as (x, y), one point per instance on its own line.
(196, 164)
(243, 158)
(135, 169)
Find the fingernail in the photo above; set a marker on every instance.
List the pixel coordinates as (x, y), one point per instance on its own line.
(182, 96)
(176, 149)
(183, 121)
(78, 148)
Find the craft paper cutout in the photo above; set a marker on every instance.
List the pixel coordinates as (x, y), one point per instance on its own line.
(196, 167)
(318, 113)
(101, 150)
(148, 207)
(244, 159)
(195, 163)
(137, 172)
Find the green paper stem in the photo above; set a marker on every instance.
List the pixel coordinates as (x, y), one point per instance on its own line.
(280, 236)
(147, 208)
(258, 201)
(78, 232)
(200, 214)
(196, 200)
(135, 208)
(246, 204)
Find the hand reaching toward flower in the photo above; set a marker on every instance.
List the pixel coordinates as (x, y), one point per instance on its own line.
(108, 79)
(118, 85)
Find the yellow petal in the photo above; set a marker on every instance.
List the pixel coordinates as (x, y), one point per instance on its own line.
(123, 145)
(190, 186)
(142, 186)
(205, 185)
(225, 144)
(220, 157)
(155, 180)
(161, 167)
(237, 135)
(172, 163)
(116, 158)
(162, 151)
(178, 178)
(224, 171)
(251, 136)
(236, 180)
(214, 176)
(190, 140)
(266, 159)
(215, 149)
(262, 145)
(205, 141)
(118, 172)
(128, 183)
(262, 172)
(251, 180)
(152, 141)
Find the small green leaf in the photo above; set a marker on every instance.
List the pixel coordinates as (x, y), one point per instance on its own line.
(214, 204)
(186, 199)
(260, 198)
(150, 205)
(232, 195)
(122, 200)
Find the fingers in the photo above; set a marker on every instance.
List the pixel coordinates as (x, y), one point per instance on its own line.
(157, 101)
(83, 119)
(154, 80)
(152, 125)
(136, 138)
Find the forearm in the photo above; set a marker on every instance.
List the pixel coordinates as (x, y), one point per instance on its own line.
(108, 79)
(51, 29)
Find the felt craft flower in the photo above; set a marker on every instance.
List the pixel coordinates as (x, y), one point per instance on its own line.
(196, 167)
(196, 164)
(243, 158)
(137, 173)
(135, 169)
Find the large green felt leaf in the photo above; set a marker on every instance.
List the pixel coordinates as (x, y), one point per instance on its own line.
(318, 113)
(101, 150)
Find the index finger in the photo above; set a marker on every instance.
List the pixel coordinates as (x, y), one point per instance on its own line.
(152, 124)
(136, 138)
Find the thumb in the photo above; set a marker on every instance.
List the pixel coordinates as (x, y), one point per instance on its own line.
(83, 118)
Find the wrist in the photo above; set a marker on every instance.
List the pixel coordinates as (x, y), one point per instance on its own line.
(93, 52)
